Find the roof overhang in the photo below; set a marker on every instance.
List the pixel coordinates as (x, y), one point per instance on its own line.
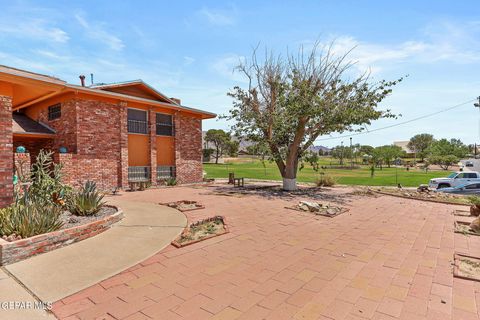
(47, 87)
(23, 126)
(124, 97)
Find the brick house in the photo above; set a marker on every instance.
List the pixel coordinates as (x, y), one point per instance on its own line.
(109, 133)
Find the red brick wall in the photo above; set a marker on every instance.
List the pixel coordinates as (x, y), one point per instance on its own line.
(33, 146)
(98, 127)
(153, 146)
(188, 148)
(122, 173)
(65, 126)
(98, 144)
(6, 156)
(77, 169)
(95, 135)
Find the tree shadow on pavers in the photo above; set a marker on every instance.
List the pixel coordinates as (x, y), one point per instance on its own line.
(272, 192)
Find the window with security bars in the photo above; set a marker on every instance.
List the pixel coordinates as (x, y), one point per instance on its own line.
(137, 121)
(164, 124)
(55, 111)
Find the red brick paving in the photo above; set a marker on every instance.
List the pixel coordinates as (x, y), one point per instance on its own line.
(387, 258)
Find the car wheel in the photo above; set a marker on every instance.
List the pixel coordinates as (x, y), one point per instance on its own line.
(443, 185)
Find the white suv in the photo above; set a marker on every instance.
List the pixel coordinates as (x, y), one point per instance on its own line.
(455, 179)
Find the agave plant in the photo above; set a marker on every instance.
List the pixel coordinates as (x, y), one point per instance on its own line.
(30, 219)
(171, 182)
(87, 201)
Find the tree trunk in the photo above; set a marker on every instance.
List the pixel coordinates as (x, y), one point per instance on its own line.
(290, 174)
(289, 184)
(217, 154)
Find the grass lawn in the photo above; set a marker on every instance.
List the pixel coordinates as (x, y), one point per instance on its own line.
(252, 168)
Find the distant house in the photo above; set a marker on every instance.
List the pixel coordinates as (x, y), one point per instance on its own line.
(404, 146)
(324, 150)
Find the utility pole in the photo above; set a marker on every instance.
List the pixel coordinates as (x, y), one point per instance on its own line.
(351, 154)
(341, 154)
(477, 105)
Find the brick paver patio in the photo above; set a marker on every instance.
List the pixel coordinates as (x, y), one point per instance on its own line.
(387, 258)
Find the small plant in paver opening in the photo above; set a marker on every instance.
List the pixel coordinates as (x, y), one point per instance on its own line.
(200, 230)
(86, 201)
(171, 182)
(36, 209)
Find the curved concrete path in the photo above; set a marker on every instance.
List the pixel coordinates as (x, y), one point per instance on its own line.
(146, 229)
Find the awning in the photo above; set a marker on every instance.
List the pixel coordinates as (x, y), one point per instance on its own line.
(24, 126)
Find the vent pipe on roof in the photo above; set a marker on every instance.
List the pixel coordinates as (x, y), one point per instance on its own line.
(82, 80)
(176, 100)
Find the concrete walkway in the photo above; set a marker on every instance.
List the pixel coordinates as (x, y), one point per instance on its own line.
(13, 292)
(145, 230)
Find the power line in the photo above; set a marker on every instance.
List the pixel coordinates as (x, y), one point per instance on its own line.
(400, 123)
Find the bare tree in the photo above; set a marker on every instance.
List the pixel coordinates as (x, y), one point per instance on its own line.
(292, 101)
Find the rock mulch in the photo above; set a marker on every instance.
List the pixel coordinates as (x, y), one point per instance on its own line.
(318, 208)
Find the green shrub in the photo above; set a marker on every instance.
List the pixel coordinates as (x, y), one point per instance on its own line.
(171, 182)
(475, 200)
(30, 219)
(325, 181)
(87, 201)
(46, 181)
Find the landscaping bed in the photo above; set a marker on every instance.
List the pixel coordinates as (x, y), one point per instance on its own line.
(424, 196)
(464, 227)
(184, 205)
(462, 213)
(201, 230)
(85, 227)
(320, 209)
(47, 214)
(466, 267)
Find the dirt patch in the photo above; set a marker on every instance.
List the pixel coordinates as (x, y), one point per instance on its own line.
(365, 192)
(330, 194)
(464, 227)
(201, 230)
(462, 213)
(426, 196)
(184, 205)
(320, 209)
(467, 267)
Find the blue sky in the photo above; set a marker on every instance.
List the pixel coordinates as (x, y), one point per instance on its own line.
(188, 49)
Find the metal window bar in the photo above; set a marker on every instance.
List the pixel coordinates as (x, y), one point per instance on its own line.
(137, 126)
(138, 174)
(166, 172)
(55, 111)
(165, 125)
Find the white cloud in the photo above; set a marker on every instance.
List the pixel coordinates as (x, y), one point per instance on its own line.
(96, 31)
(226, 65)
(443, 41)
(188, 60)
(218, 17)
(51, 55)
(34, 29)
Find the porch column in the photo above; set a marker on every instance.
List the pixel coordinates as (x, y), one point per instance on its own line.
(6, 145)
(123, 163)
(152, 117)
